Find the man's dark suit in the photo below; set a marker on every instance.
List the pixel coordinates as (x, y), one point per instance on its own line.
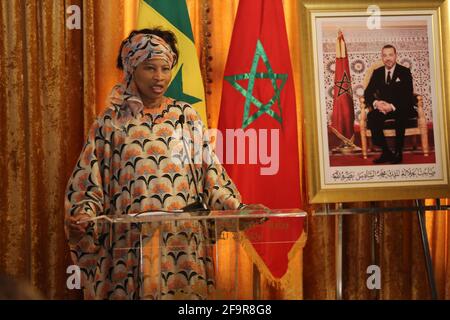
(400, 93)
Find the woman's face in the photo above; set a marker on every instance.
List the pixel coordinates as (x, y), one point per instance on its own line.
(152, 78)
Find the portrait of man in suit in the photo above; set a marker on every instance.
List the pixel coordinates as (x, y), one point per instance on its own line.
(389, 95)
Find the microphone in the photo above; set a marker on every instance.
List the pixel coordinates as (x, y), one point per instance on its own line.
(198, 205)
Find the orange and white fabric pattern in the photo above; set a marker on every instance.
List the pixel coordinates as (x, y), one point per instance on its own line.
(130, 167)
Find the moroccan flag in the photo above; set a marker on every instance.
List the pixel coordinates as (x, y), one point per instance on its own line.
(343, 112)
(186, 82)
(258, 101)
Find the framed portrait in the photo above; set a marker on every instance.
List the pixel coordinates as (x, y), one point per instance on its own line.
(376, 82)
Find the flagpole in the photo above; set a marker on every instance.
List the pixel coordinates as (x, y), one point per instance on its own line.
(338, 252)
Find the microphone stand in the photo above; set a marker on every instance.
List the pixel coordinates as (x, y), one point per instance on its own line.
(199, 205)
(198, 208)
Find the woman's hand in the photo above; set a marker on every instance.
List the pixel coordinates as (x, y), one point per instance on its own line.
(246, 223)
(77, 230)
(256, 206)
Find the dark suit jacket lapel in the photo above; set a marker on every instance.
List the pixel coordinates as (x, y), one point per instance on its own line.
(381, 76)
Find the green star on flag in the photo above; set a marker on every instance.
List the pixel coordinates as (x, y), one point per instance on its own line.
(248, 93)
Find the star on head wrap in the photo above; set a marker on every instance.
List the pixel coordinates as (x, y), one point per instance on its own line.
(136, 50)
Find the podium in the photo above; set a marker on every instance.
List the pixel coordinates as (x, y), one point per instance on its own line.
(179, 252)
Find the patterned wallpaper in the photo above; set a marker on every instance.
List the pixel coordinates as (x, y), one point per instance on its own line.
(364, 47)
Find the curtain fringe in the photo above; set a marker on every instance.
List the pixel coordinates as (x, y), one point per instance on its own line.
(285, 280)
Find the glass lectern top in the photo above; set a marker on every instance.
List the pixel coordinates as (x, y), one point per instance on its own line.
(155, 216)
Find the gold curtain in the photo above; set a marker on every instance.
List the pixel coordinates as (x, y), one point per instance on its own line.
(53, 83)
(438, 226)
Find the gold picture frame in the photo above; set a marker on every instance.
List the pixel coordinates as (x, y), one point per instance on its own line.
(335, 178)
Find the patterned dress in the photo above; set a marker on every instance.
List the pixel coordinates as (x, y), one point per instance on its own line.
(133, 163)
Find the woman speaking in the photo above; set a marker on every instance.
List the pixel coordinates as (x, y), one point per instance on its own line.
(130, 164)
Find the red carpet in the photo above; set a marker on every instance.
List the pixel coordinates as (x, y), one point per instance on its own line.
(340, 160)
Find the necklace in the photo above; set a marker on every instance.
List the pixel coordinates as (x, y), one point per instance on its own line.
(152, 111)
(155, 115)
